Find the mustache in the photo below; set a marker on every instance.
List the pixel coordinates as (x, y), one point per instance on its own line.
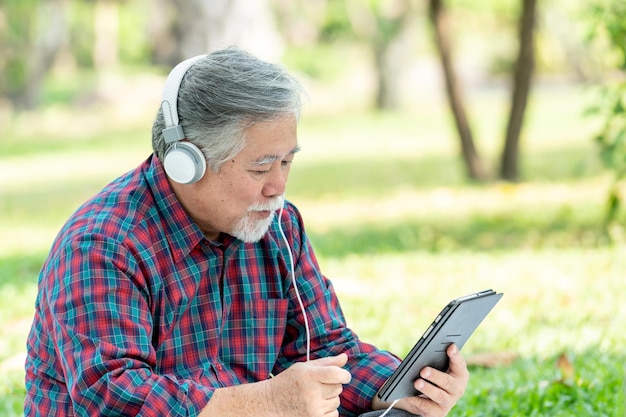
(272, 205)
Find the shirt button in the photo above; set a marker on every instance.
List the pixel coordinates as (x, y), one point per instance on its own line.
(219, 367)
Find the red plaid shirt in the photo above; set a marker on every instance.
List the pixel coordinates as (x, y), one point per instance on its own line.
(138, 314)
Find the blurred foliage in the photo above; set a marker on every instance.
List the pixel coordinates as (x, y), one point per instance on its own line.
(507, 9)
(610, 26)
(336, 24)
(135, 47)
(81, 32)
(486, 28)
(321, 61)
(18, 31)
(34, 39)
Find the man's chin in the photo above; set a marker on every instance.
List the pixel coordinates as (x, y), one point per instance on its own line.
(251, 233)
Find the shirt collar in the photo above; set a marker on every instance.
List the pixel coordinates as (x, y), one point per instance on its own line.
(182, 233)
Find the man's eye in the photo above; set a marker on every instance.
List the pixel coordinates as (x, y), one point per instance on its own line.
(286, 163)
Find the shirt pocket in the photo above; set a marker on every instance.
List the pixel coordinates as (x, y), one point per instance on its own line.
(253, 336)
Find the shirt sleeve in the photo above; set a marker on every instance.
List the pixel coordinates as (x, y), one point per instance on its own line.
(100, 321)
(330, 335)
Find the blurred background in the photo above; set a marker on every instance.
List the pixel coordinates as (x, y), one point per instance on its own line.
(449, 146)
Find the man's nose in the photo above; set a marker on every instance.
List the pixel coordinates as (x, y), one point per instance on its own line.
(276, 182)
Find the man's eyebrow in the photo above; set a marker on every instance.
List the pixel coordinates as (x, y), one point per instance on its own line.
(268, 159)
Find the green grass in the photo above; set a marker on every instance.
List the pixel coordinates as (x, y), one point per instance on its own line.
(398, 229)
(535, 388)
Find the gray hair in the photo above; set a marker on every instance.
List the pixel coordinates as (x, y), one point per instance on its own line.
(221, 96)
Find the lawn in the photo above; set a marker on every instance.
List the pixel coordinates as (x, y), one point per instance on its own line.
(399, 231)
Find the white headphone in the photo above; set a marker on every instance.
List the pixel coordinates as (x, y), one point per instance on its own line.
(183, 161)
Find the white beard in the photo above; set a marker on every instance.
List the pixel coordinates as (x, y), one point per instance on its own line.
(251, 230)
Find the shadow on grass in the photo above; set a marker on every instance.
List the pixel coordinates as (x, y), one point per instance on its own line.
(559, 228)
(377, 178)
(349, 178)
(374, 179)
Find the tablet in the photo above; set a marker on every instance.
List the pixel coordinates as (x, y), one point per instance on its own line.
(455, 324)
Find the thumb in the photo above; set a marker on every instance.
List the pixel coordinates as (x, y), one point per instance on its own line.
(458, 365)
(339, 360)
(329, 370)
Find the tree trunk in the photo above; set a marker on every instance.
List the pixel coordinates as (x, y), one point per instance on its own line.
(473, 163)
(386, 75)
(381, 26)
(383, 99)
(164, 33)
(204, 26)
(509, 169)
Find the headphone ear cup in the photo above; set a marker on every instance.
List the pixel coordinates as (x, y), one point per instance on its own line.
(184, 163)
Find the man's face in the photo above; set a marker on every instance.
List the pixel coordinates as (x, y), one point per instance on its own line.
(242, 198)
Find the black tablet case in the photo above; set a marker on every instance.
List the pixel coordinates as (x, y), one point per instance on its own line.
(455, 324)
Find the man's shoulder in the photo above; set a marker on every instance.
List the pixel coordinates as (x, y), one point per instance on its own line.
(116, 211)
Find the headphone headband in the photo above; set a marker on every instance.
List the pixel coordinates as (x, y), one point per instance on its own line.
(183, 161)
(173, 132)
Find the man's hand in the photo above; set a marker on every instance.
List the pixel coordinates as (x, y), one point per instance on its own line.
(309, 389)
(441, 390)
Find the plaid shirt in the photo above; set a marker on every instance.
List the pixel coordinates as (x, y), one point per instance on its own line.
(138, 314)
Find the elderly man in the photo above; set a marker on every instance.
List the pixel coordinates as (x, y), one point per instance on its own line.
(188, 285)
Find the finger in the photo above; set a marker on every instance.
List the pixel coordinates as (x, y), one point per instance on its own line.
(419, 406)
(438, 385)
(455, 379)
(329, 370)
(339, 360)
(331, 375)
(458, 365)
(433, 392)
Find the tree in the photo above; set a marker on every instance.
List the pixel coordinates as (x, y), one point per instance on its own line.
(381, 23)
(197, 27)
(509, 169)
(473, 162)
(378, 25)
(521, 88)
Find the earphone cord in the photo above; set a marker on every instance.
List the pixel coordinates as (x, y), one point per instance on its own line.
(295, 286)
(389, 408)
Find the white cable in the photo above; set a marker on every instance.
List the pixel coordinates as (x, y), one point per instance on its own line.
(295, 286)
(389, 408)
